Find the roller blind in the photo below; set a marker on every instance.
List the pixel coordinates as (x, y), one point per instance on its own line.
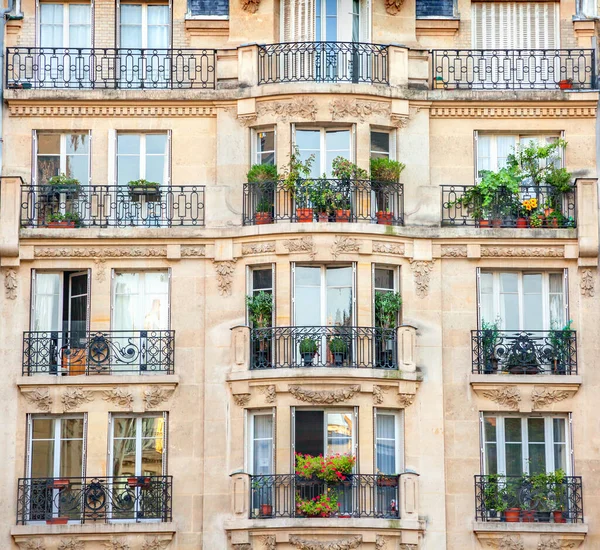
(298, 20)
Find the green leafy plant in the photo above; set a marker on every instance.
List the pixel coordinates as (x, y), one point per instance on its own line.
(385, 170)
(489, 339)
(66, 217)
(536, 219)
(499, 192)
(260, 309)
(341, 201)
(337, 345)
(535, 162)
(333, 469)
(560, 343)
(308, 345)
(321, 195)
(296, 177)
(144, 184)
(264, 206)
(495, 494)
(323, 505)
(260, 173)
(342, 168)
(63, 181)
(387, 306)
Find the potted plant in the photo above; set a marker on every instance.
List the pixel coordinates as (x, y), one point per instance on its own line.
(298, 184)
(439, 82)
(262, 173)
(321, 197)
(387, 307)
(494, 497)
(560, 343)
(346, 171)
(385, 170)
(264, 178)
(63, 184)
(489, 340)
(60, 483)
(260, 315)
(308, 350)
(143, 482)
(67, 220)
(323, 505)
(263, 214)
(143, 188)
(536, 219)
(338, 348)
(385, 480)
(61, 520)
(557, 495)
(266, 510)
(522, 358)
(341, 203)
(527, 207)
(565, 84)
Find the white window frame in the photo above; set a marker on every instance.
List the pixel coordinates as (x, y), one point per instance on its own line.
(392, 147)
(254, 149)
(66, 23)
(399, 435)
(62, 154)
(250, 416)
(351, 129)
(144, 24)
(143, 156)
(549, 442)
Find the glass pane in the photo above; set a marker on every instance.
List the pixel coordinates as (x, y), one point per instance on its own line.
(158, 27)
(504, 146)
(509, 301)
(339, 433)
(152, 446)
(514, 459)
(126, 301)
(380, 144)
(535, 428)
(48, 144)
(560, 456)
(533, 317)
(337, 145)
(131, 26)
(124, 457)
(339, 296)
(384, 279)
(489, 428)
(79, 26)
(77, 167)
(155, 169)
(557, 310)
(71, 458)
(308, 291)
(42, 458)
(512, 429)
(262, 279)
(491, 457)
(309, 432)
(558, 430)
(42, 428)
(263, 443)
(51, 25)
(483, 153)
(309, 143)
(128, 144)
(537, 458)
(156, 144)
(72, 428)
(486, 288)
(265, 147)
(124, 427)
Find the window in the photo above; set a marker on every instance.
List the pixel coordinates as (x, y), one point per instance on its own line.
(516, 445)
(435, 8)
(381, 145)
(65, 25)
(523, 300)
(388, 442)
(325, 145)
(264, 143)
(261, 280)
(586, 9)
(58, 153)
(325, 432)
(261, 431)
(210, 8)
(385, 279)
(144, 26)
(142, 156)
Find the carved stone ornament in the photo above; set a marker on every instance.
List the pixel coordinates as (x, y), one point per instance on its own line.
(357, 109)
(454, 251)
(250, 6)
(119, 396)
(193, 251)
(75, 397)
(380, 247)
(225, 271)
(551, 543)
(407, 546)
(33, 544)
(154, 543)
(249, 249)
(241, 399)
(242, 546)
(324, 396)
(522, 252)
(393, 6)
(100, 268)
(117, 544)
(301, 107)
(10, 284)
(542, 397)
(380, 543)
(40, 399)
(507, 542)
(154, 396)
(113, 252)
(269, 542)
(378, 392)
(305, 244)
(400, 121)
(112, 111)
(72, 544)
(406, 399)
(340, 544)
(421, 271)
(247, 119)
(587, 283)
(270, 393)
(344, 245)
(508, 396)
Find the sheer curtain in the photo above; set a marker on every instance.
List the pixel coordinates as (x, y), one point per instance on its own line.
(556, 299)
(533, 303)
(386, 444)
(158, 27)
(47, 293)
(263, 444)
(79, 26)
(51, 25)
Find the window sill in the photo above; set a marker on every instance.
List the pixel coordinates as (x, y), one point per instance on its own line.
(213, 26)
(437, 27)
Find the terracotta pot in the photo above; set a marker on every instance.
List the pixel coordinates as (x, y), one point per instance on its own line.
(143, 482)
(57, 521)
(484, 223)
(342, 216)
(552, 222)
(512, 515)
(521, 223)
(528, 516)
(558, 517)
(304, 215)
(323, 217)
(497, 222)
(262, 218)
(60, 483)
(384, 218)
(565, 85)
(64, 224)
(266, 510)
(548, 211)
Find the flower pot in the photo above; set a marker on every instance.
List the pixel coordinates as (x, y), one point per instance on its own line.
(565, 85)
(60, 483)
(521, 223)
(384, 218)
(142, 482)
(304, 215)
(344, 515)
(152, 194)
(439, 83)
(61, 225)
(323, 217)
(548, 211)
(342, 216)
(552, 222)
(266, 510)
(307, 359)
(512, 515)
(57, 521)
(497, 222)
(528, 516)
(543, 517)
(390, 481)
(263, 218)
(338, 358)
(484, 223)
(559, 516)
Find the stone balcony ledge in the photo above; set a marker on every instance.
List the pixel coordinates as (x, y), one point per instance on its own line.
(346, 524)
(170, 380)
(116, 528)
(331, 374)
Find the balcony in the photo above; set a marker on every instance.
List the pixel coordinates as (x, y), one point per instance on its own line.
(92, 499)
(360, 496)
(329, 62)
(513, 69)
(530, 352)
(112, 206)
(330, 346)
(541, 498)
(351, 201)
(99, 352)
(110, 68)
(506, 210)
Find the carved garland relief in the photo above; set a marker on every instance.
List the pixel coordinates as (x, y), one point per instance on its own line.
(250, 6)
(340, 544)
(508, 396)
(225, 272)
(421, 271)
(324, 396)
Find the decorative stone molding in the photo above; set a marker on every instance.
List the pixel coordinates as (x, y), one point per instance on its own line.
(250, 6)
(100, 269)
(512, 112)
(380, 543)
(113, 252)
(357, 109)
(305, 244)
(587, 283)
(406, 399)
(507, 542)
(340, 544)
(301, 107)
(378, 392)
(249, 249)
(380, 247)
(247, 120)
(33, 544)
(110, 111)
(75, 397)
(10, 284)
(551, 543)
(522, 252)
(72, 544)
(154, 544)
(269, 542)
(324, 396)
(393, 6)
(156, 395)
(400, 121)
(40, 399)
(193, 251)
(421, 271)
(542, 397)
(119, 396)
(408, 547)
(117, 544)
(242, 546)
(454, 251)
(270, 393)
(241, 399)
(343, 245)
(225, 271)
(508, 396)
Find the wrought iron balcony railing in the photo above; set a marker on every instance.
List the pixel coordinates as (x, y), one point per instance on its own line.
(90, 499)
(514, 69)
(105, 68)
(549, 208)
(524, 352)
(99, 352)
(112, 206)
(529, 498)
(324, 200)
(323, 62)
(360, 496)
(331, 346)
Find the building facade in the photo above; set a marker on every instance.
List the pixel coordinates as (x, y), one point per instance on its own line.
(146, 407)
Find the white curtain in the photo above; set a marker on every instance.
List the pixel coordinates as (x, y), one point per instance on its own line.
(504, 146)
(158, 27)
(509, 301)
(386, 444)
(556, 299)
(51, 25)
(533, 303)
(263, 444)
(79, 26)
(131, 26)
(47, 294)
